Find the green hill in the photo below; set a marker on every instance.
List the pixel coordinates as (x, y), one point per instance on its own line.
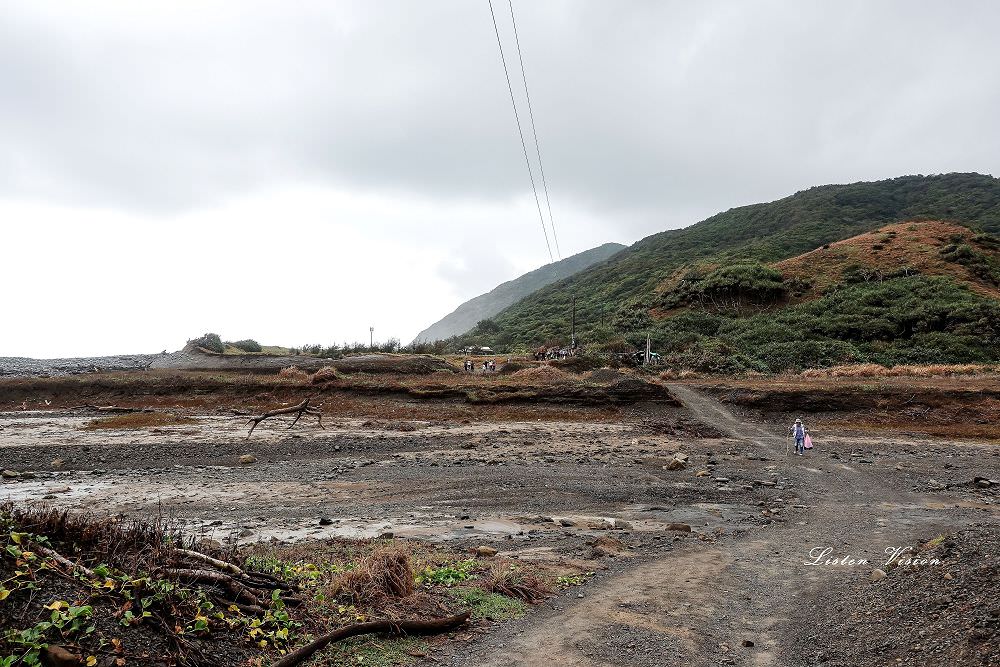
(623, 299)
(487, 305)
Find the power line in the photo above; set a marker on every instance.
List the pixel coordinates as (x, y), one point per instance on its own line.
(531, 115)
(520, 133)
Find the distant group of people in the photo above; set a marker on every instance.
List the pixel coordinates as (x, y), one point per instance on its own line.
(489, 366)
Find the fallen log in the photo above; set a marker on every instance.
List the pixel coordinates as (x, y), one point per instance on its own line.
(302, 408)
(62, 560)
(214, 562)
(241, 591)
(397, 628)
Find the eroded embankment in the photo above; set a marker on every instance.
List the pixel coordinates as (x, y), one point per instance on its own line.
(954, 407)
(230, 390)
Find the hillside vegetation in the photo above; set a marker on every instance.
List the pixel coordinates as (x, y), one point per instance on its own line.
(768, 287)
(487, 305)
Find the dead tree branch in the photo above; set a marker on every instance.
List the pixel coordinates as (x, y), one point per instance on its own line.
(214, 562)
(62, 560)
(396, 628)
(302, 408)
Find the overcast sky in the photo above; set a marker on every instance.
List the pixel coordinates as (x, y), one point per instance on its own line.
(299, 171)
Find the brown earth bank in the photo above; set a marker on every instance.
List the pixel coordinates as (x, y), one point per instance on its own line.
(693, 518)
(967, 407)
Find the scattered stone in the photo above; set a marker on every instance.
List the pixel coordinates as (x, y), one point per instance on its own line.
(247, 459)
(878, 575)
(57, 463)
(675, 464)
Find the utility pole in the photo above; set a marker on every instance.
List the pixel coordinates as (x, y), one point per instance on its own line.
(371, 337)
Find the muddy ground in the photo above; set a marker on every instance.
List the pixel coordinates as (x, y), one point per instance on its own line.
(543, 483)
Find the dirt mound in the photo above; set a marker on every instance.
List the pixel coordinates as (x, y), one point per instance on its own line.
(402, 364)
(579, 364)
(605, 375)
(628, 384)
(293, 373)
(325, 374)
(925, 614)
(546, 373)
(511, 368)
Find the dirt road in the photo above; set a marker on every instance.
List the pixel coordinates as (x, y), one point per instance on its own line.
(747, 598)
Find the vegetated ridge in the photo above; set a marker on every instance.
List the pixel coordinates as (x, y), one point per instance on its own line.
(484, 306)
(727, 293)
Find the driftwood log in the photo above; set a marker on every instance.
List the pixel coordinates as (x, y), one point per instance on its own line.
(302, 408)
(60, 559)
(396, 628)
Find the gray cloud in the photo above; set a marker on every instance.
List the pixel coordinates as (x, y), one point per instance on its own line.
(651, 114)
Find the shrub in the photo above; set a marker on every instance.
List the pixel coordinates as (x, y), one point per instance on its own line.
(248, 345)
(210, 342)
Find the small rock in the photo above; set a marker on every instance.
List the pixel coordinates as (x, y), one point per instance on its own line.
(9, 474)
(485, 551)
(247, 459)
(567, 523)
(747, 643)
(878, 575)
(948, 576)
(701, 473)
(675, 464)
(682, 527)
(622, 524)
(325, 521)
(57, 463)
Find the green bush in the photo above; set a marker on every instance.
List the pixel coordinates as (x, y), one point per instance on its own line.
(210, 342)
(248, 345)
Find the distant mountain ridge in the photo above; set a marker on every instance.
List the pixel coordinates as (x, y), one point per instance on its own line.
(485, 306)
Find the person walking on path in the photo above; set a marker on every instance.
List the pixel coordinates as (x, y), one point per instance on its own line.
(800, 433)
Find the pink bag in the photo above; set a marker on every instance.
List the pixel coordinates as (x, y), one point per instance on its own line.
(809, 441)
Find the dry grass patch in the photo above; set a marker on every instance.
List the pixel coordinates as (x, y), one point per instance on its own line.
(135, 420)
(385, 573)
(876, 370)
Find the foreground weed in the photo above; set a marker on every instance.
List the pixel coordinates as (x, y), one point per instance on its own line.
(448, 574)
(486, 605)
